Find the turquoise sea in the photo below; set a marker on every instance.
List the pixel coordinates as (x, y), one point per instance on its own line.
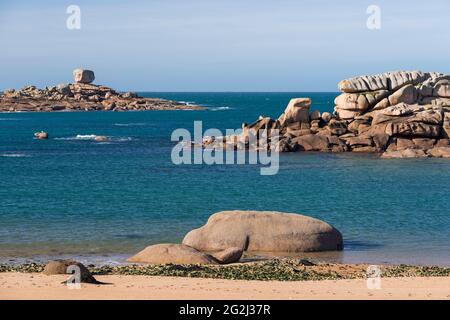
(100, 202)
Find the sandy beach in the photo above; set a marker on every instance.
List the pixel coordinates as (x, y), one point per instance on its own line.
(38, 286)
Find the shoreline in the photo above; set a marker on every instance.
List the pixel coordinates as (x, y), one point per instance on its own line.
(347, 256)
(340, 258)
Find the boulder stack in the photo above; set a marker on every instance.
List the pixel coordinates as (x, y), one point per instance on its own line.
(83, 76)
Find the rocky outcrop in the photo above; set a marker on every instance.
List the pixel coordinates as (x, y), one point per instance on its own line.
(264, 231)
(82, 96)
(172, 254)
(371, 114)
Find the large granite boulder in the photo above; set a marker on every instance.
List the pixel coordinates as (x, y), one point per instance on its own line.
(83, 76)
(386, 81)
(349, 105)
(296, 111)
(405, 153)
(168, 253)
(442, 89)
(264, 231)
(406, 94)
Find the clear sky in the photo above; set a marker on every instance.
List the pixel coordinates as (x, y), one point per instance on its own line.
(219, 45)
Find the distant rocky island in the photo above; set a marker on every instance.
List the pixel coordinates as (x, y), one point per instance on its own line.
(401, 114)
(82, 95)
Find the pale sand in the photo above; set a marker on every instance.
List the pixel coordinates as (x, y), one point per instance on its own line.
(38, 286)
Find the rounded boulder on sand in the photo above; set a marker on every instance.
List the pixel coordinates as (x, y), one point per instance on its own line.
(168, 253)
(264, 231)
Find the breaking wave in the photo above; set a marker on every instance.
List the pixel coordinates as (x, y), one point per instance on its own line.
(92, 137)
(13, 155)
(138, 124)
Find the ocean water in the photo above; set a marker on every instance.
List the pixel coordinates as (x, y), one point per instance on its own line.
(70, 196)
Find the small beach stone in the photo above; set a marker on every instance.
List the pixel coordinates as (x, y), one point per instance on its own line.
(60, 267)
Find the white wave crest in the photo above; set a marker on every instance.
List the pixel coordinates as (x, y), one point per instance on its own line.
(79, 137)
(13, 155)
(93, 137)
(138, 124)
(188, 103)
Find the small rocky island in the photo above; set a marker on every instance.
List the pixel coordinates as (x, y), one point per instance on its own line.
(82, 95)
(402, 114)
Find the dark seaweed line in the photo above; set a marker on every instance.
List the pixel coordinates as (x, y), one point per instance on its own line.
(279, 270)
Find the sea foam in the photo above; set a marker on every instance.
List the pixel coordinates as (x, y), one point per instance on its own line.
(91, 137)
(13, 155)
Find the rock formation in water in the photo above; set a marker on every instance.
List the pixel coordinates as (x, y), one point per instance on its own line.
(81, 96)
(399, 114)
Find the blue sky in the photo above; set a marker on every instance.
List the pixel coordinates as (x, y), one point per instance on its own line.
(219, 45)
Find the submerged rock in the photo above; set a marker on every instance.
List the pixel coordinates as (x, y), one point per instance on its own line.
(405, 153)
(264, 231)
(101, 138)
(41, 135)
